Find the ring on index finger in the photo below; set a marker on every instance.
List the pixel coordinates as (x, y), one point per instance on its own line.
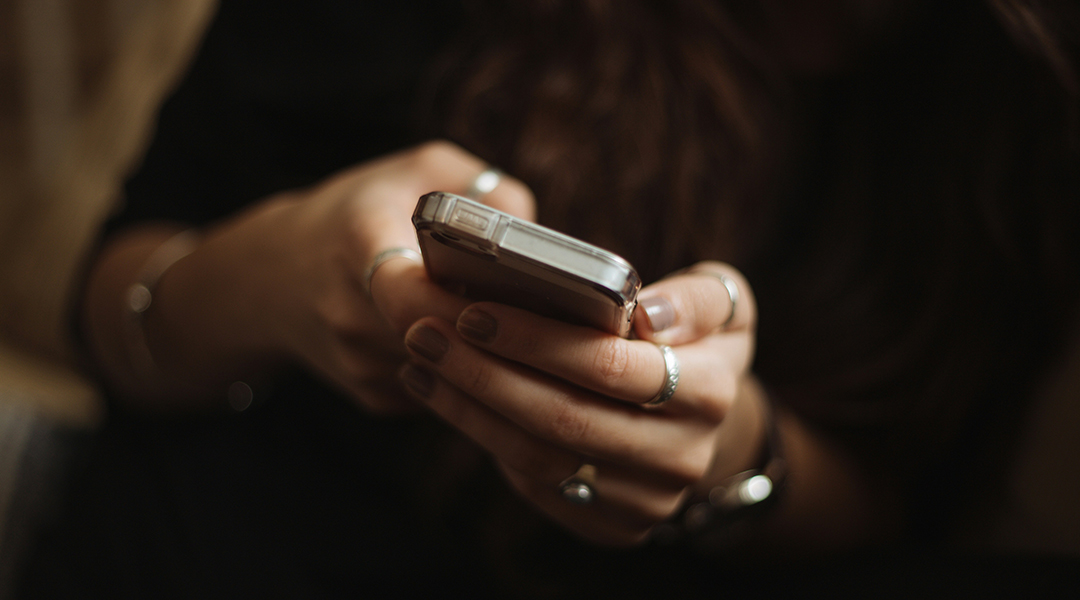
(484, 184)
(385, 256)
(671, 378)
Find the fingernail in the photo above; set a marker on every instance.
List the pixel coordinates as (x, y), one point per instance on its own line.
(428, 343)
(659, 311)
(477, 325)
(417, 380)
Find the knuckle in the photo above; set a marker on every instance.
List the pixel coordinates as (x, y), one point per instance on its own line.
(723, 391)
(713, 411)
(612, 361)
(661, 509)
(567, 423)
(353, 224)
(728, 387)
(691, 465)
(672, 504)
(430, 154)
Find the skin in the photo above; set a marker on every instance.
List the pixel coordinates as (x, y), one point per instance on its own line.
(544, 396)
(303, 255)
(541, 396)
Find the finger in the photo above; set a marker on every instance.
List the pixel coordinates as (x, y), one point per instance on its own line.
(364, 373)
(694, 303)
(630, 501)
(393, 184)
(403, 294)
(566, 415)
(600, 522)
(449, 168)
(632, 371)
(541, 460)
(636, 498)
(513, 197)
(627, 370)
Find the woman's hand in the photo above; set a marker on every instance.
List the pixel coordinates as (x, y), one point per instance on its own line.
(337, 328)
(545, 397)
(286, 280)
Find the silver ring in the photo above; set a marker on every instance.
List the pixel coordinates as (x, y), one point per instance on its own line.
(578, 488)
(484, 184)
(733, 295)
(386, 255)
(671, 379)
(732, 292)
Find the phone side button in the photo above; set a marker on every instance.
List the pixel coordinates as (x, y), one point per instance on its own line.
(472, 220)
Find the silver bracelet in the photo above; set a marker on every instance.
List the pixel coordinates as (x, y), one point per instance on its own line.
(140, 296)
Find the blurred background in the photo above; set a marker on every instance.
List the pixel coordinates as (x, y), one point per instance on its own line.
(80, 81)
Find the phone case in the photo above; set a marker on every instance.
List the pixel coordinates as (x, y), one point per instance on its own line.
(495, 256)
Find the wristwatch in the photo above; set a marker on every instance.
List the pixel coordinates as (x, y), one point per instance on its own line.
(727, 512)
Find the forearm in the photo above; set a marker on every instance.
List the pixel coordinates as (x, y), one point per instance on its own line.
(201, 331)
(283, 281)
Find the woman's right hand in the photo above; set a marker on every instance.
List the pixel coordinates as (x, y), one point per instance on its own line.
(285, 280)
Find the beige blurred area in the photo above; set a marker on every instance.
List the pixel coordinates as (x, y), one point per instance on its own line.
(80, 83)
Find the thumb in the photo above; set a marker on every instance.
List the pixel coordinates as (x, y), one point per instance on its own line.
(691, 304)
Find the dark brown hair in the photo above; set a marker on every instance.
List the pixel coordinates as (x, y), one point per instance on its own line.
(635, 123)
(881, 211)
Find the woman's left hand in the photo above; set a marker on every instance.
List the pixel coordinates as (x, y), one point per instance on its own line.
(545, 397)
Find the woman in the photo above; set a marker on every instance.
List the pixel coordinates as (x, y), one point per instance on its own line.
(857, 169)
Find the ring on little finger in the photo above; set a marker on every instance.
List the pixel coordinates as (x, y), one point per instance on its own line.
(671, 378)
(484, 184)
(579, 487)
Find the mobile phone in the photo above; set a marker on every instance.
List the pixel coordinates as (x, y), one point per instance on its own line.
(495, 256)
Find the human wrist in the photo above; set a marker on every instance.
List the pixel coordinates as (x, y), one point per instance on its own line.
(731, 505)
(742, 436)
(139, 299)
(205, 329)
(218, 316)
(746, 482)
